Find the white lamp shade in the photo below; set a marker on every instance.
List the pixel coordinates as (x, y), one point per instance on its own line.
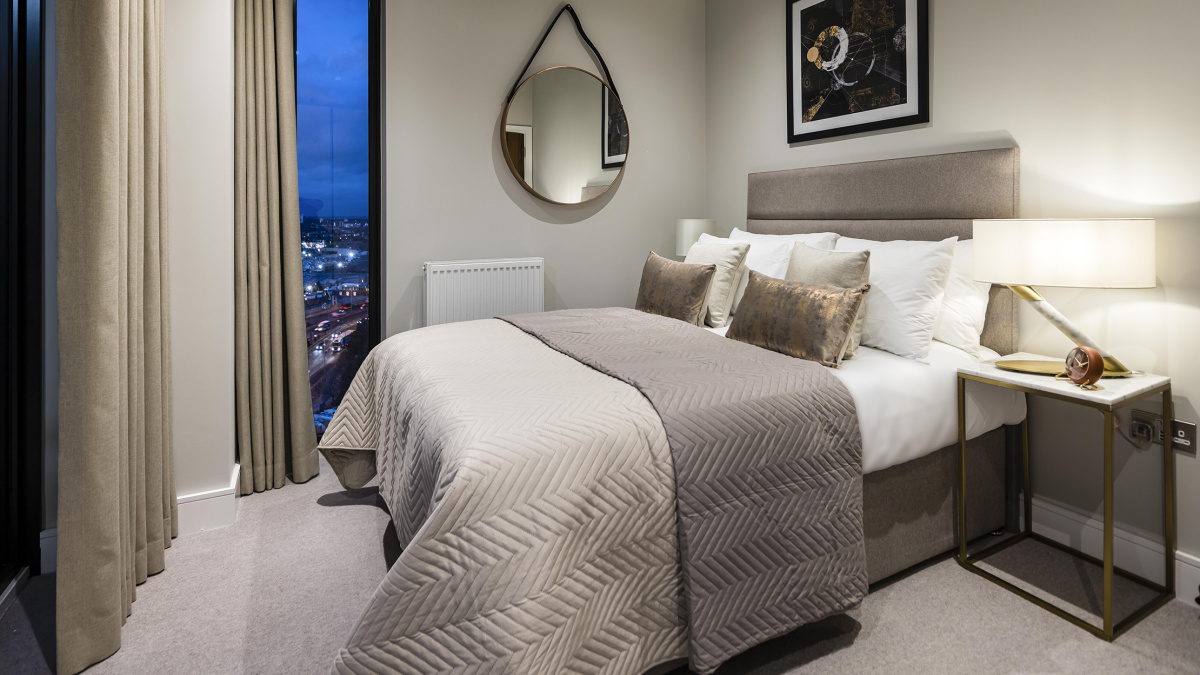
(688, 230)
(1103, 253)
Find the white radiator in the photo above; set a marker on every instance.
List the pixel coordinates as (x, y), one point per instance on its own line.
(462, 290)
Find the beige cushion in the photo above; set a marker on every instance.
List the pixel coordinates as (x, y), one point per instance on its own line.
(805, 321)
(842, 269)
(674, 289)
(729, 259)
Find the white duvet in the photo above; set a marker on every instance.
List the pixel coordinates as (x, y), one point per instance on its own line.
(907, 409)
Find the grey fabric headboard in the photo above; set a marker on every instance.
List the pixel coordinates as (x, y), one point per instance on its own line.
(917, 198)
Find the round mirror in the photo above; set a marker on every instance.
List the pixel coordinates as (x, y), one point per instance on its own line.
(565, 135)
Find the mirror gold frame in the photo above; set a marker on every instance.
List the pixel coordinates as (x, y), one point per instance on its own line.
(509, 160)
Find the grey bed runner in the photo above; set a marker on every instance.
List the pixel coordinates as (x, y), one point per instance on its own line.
(768, 468)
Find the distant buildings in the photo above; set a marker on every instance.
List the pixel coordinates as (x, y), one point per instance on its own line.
(352, 293)
(335, 254)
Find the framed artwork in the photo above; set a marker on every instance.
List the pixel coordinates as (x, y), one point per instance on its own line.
(856, 65)
(614, 135)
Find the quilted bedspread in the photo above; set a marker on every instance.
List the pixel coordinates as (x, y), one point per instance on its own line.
(768, 471)
(536, 496)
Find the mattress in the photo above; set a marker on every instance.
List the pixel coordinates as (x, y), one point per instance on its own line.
(907, 409)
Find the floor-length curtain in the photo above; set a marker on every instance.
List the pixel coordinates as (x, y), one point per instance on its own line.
(275, 431)
(116, 508)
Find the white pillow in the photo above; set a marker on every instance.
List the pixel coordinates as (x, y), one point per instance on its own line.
(908, 283)
(819, 240)
(770, 258)
(964, 309)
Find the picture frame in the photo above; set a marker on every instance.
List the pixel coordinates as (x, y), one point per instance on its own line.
(614, 131)
(852, 75)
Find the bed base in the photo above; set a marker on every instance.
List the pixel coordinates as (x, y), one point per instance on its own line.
(910, 511)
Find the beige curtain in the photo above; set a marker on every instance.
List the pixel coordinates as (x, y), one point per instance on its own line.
(116, 508)
(275, 433)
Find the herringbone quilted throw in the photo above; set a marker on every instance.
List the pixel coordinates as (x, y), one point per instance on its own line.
(536, 499)
(535, 502)
(768, 471)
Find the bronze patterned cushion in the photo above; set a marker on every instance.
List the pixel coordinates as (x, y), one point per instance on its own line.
(812, 322)
(674, 289)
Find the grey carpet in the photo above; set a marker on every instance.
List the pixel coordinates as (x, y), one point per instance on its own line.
(278, 592)
(1069, 582)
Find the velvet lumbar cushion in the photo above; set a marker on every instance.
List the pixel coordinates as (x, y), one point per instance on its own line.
(842, 269)
(674, 289)
(805, 321)
(729, 259)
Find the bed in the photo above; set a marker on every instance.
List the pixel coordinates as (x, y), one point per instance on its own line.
(549, 520)
(916, 198)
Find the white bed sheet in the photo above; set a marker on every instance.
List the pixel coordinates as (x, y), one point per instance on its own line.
(907, 409)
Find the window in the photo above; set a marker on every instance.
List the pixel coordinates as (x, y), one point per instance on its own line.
(22, 355)
(337, 154)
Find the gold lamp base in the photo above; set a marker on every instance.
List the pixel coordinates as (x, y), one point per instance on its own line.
(1112, 367)
(1053, 367)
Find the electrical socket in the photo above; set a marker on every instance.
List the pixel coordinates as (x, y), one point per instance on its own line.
(1185, 436)
(1184, 432)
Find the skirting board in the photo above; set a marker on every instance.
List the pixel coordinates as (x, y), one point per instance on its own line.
(1131, 552)
(197, 512)
(209, 510)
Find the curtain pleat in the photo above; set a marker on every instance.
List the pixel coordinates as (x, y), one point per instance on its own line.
(117, 509)
(275, 431)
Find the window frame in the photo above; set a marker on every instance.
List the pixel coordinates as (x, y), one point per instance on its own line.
(375, 181)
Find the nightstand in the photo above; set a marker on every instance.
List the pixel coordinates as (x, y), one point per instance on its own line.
(1114, 394)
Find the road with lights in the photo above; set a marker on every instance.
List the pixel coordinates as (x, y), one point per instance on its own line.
(321, 359)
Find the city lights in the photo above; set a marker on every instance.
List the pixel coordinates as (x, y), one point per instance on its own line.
(335, 265)
(334, 194)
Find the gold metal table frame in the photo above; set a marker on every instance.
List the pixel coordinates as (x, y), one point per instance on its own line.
(1109, 631)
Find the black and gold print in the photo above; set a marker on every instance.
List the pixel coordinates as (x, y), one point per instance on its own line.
(854, 57)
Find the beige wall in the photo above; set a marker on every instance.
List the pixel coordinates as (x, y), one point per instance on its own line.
(199, 106)
(1100, 135)
(1118, 140)
(449, 194)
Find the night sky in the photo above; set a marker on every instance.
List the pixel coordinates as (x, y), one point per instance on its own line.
(331, 98)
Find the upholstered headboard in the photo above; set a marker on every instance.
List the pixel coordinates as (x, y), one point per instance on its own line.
(917, 198)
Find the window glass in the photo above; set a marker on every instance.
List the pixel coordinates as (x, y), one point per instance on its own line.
(332, 138)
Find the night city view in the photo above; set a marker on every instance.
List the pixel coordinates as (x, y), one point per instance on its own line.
(333, 161)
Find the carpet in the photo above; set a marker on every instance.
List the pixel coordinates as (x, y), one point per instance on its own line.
(279, 590)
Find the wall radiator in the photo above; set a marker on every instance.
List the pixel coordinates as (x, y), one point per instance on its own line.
(463, 290)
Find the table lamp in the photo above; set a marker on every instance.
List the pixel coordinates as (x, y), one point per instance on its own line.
(1102, 253)
(688, 230)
